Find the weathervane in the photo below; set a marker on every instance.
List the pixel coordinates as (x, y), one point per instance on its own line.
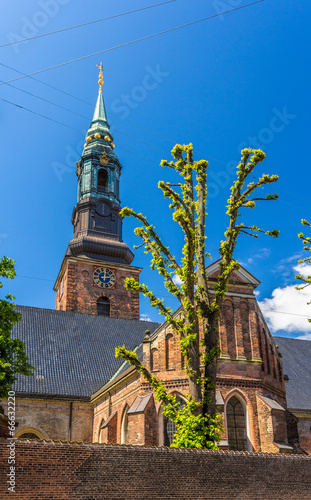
(100, 78)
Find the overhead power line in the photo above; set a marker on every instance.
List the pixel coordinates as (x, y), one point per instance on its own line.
(72, 128)
(39, 114)
(132, 42)
(86, 24)
(120, 147)
(45, 100)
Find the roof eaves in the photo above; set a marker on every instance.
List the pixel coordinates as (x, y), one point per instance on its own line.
(112, 383)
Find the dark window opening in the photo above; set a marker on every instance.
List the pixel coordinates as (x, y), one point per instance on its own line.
(169, 427)
(169, 351)
(261, 351)
(154, 360)
(236, 425)
(29, 435)
(103, 307)
(125, 427)
(102, 177)
(273, 361)
(267, 355)
(280, 371)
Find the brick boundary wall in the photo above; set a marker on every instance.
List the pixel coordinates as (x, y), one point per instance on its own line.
(50, 470)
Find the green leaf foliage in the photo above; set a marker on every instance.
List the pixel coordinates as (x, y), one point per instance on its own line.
(306, 240)
(198, 423)
(13, 359)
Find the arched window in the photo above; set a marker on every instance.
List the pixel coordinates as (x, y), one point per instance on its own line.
(154, 360)
(169, 427)
(273, 362)
(102, 177)
(29, 433)
(228, 317)
(103, 307)
(260, 344)
(236, 425)
(267, 354)
(245, 330)
(125, 427)
(169, 351)
(100, 432)
(280, 371)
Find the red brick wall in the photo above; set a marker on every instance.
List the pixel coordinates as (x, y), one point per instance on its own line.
(116, 400)
(80, 293)
(54, 471)
(304, 429)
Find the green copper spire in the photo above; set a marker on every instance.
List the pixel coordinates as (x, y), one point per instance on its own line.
(99, 123)
(99, 169)
(100, 112)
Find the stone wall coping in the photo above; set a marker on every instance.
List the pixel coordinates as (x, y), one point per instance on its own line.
(159, 449)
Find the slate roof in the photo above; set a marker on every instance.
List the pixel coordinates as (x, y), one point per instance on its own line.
(73, 352)
(126, 365)
(297, 365)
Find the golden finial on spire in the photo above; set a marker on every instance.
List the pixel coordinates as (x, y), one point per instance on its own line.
(101, 77)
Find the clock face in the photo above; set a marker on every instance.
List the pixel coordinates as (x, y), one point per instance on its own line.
(104, 277)
(102, 209)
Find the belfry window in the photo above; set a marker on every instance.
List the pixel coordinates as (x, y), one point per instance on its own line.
(102, 177)
(103, 307)
(236, 425)
(169, 427)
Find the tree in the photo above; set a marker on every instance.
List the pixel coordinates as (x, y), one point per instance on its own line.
(13, 358)
(306, 240)
(198, 425)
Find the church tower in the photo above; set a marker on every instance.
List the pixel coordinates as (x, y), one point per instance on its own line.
(91, 278)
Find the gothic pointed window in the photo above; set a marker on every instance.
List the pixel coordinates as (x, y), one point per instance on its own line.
(169, 351)
(103, 307)
(102, 177)
(236, 425)
(154, 360)
(169, 427)
(125, 427)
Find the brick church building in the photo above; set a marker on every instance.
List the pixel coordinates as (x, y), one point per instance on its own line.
(81, 392)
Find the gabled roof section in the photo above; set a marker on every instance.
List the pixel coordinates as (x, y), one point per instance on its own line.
(140, 403)
(274, 405)
(297, 365)
(73, 353)
(241, 276)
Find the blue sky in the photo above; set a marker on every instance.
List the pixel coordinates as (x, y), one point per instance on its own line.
(238, 79)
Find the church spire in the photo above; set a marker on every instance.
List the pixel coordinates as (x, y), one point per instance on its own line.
(97, 260)
(99, 127)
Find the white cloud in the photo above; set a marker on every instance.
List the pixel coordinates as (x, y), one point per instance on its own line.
(145, 317)
(304, 269)
(307, 336)
(263, 253)
(256, 293)
(176, 280)
(288, 310)
(285, 268)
